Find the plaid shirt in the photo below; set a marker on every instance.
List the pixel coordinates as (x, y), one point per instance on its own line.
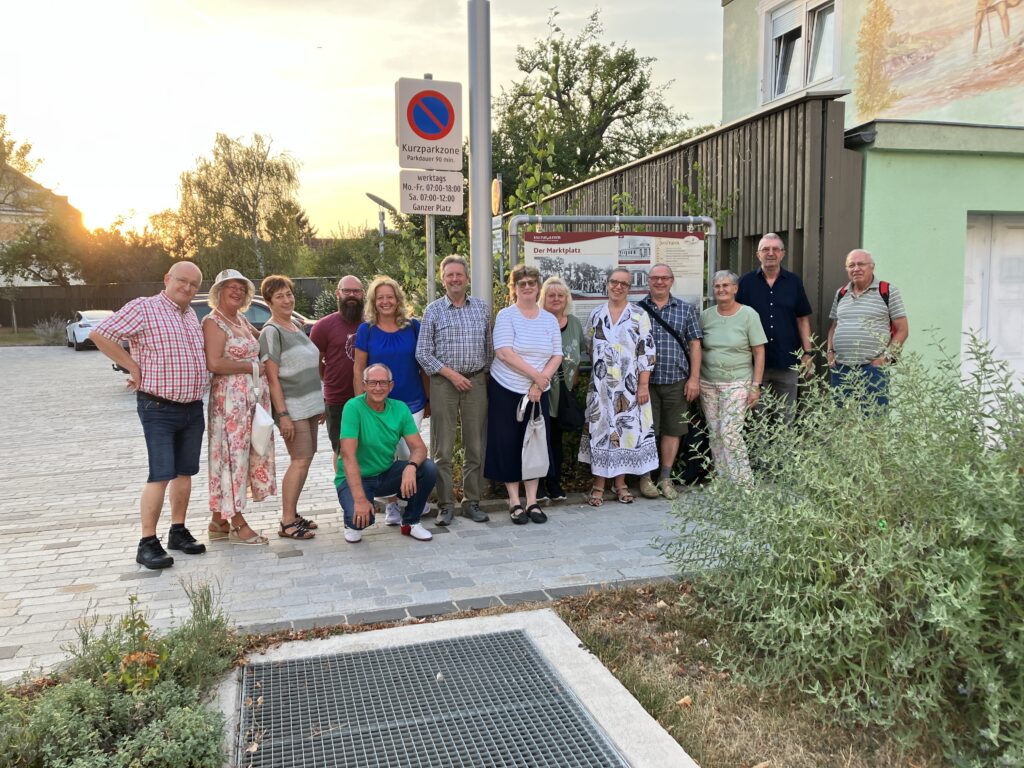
(457, 337)
(166, 342)
(671, 364)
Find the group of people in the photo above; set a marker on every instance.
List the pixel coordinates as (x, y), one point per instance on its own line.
(371, 372)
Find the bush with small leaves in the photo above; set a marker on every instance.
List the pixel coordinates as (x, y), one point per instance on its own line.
(877, 560)
(325, 303)
(52, 331)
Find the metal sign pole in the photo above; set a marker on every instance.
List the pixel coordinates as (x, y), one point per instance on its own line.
(431, 268)
(480, 149)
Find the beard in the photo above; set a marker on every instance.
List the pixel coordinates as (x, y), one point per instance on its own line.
(351, 310)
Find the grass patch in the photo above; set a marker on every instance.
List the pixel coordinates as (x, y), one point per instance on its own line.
(23, 338)
(660, 644)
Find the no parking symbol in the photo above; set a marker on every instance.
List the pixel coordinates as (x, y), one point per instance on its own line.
(429, 124)
(430, 115)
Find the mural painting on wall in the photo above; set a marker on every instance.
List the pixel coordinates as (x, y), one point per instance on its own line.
(940, 59)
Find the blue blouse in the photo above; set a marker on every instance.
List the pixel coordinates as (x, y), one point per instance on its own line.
(397, 350)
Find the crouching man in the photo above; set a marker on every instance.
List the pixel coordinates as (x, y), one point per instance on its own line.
(371, 426)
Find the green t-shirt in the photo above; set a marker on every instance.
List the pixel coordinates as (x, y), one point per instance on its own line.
(727, 343)
(378, 434)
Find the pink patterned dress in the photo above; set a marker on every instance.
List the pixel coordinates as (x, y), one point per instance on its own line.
(234, 467)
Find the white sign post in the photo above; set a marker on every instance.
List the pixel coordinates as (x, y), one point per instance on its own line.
(431, 192)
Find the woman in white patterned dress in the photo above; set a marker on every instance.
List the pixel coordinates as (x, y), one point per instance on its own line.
(618, 437)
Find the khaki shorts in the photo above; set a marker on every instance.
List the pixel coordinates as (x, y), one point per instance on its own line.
(671, 409)
(303, 442)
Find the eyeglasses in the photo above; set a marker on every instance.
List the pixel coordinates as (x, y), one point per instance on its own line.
(658, 278)
(618, 284)
(377, 383)
(770, 250)
(526, 283)
(351, 291)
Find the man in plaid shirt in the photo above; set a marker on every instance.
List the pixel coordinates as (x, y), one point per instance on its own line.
(167, 371)
(675, 382)
(455, 349)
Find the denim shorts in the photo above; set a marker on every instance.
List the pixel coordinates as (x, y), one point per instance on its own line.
(174, 437)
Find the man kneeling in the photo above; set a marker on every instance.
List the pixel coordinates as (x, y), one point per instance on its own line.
(371, 426)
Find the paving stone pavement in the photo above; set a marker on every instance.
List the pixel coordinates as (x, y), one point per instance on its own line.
(74, 462)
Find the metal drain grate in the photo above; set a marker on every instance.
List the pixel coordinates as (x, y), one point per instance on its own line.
(485, 700)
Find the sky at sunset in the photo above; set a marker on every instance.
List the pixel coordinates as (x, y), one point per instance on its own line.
(118, 98)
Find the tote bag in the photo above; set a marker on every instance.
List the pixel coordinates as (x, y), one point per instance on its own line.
(535, 441)
(262, 432)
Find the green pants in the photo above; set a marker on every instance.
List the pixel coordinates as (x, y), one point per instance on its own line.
(446, 403)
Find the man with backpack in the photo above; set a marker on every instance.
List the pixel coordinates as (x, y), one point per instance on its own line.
(675, 381)
(869, 327)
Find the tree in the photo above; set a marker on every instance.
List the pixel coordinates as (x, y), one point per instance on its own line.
(15, 167)
(241, 202)
(874, 92)
(596, 102)
(113, 255)
(50, 252)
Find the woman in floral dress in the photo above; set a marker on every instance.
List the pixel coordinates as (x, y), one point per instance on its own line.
(619, 435)
(231, 348)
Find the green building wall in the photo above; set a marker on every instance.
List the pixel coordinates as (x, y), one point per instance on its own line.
(920, 183)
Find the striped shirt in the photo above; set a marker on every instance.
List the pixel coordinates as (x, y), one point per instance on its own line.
(167, 343)
(298, 369)
(456, 337)
(535, 340)
(863, 323)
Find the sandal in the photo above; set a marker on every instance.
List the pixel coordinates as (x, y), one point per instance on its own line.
(217, 533)
(519, 515)
(536, 513)
(308, 524)
(623, 494)
(255, 540)
(297, 528)
(596, 497)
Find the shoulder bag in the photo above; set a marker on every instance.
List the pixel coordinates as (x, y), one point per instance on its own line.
(262, 430)
(535, 441)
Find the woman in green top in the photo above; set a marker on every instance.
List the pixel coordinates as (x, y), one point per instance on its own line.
(292, 363)
(732, 363)
(556, 298)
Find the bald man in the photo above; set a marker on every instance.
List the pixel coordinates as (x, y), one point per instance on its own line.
(334, 335)
(167, 371)
(869, 327)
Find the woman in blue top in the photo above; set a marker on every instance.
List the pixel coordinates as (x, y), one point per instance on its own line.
(389, 336)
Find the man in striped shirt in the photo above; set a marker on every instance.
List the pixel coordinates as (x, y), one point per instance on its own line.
(455, 349)
(869, 327)
(167, 371)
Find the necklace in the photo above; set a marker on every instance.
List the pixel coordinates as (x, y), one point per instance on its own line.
(236, 323)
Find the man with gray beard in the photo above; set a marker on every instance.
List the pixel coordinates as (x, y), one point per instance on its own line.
(334, 336)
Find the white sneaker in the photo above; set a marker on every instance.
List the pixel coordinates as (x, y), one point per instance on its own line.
(393, 514)
(352, 536)
(417, 531)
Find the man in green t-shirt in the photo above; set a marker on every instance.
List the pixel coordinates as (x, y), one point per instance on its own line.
(371, 426)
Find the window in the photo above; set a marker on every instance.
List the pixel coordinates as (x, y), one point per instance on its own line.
(800, 47)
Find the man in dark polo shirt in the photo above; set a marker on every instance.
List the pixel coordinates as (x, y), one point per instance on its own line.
(778, 297)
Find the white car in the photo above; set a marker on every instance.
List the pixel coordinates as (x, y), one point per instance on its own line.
(79, 328)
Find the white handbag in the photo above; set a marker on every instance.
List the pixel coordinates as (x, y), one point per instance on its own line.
(535, 441)
(262, 422)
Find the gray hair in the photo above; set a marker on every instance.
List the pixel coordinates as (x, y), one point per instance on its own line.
(725, 274)
(773, 236)
(367, 369)
(660, 264)
(454, 258)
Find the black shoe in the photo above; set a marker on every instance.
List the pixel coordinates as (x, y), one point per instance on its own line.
(444, 514)
(181, 538)
(153, 556)
(476, 514)
(556, 494)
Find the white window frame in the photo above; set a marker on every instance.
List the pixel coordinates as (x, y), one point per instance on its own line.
(774, 24)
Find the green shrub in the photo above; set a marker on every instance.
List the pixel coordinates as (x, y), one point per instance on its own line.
(877, 562)
(52, 331)
(325, 303)
(128, 698)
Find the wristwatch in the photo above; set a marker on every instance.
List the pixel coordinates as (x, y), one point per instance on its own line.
(412, 464)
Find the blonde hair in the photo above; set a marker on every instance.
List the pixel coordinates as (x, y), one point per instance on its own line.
(557, 282)
(250, 290)
(519, 271)
(370, 307)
